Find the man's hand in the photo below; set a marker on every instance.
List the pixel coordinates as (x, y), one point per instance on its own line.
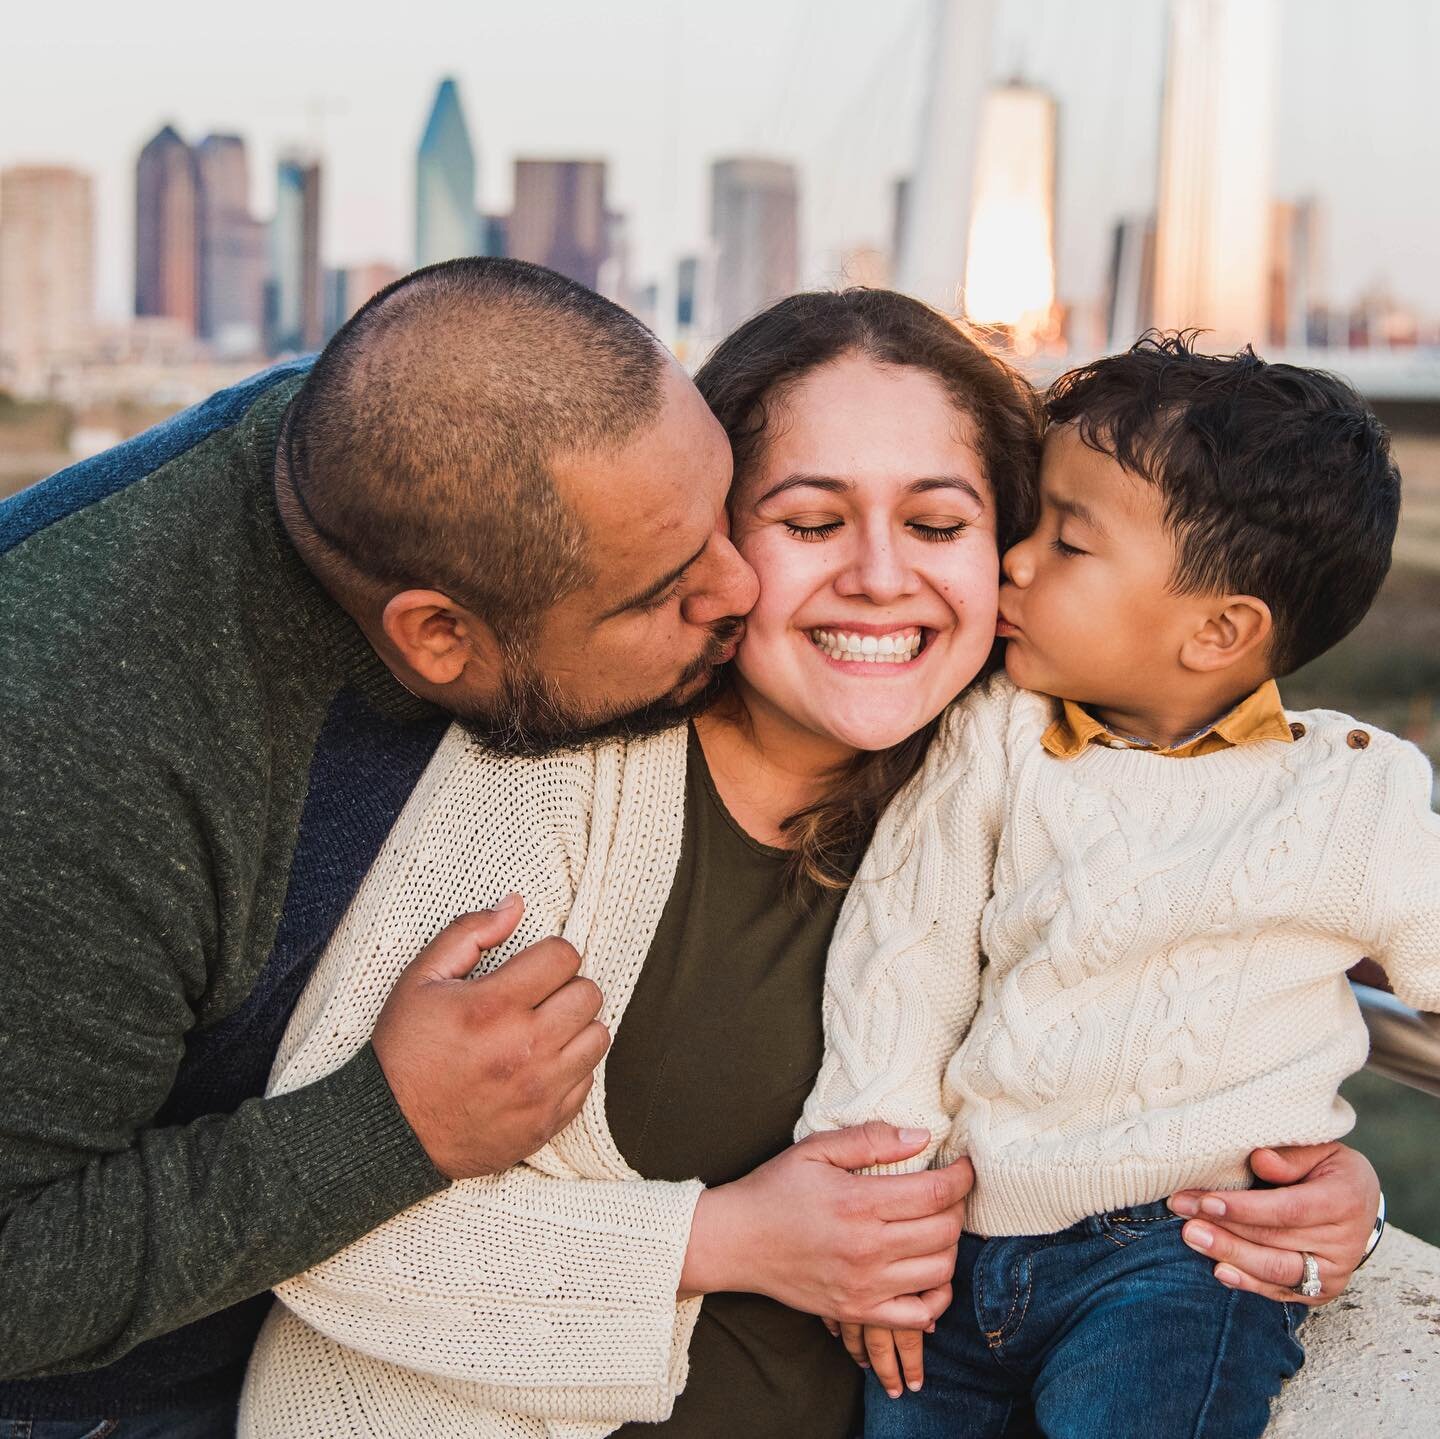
(863, 1248)
(1256, 1236)
(486, 1070)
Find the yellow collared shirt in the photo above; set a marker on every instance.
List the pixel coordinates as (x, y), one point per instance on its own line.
(1258, 716)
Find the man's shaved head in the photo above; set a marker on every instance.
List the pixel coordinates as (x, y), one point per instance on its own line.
(421, 448)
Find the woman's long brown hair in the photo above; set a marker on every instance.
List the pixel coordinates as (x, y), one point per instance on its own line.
(745, 381)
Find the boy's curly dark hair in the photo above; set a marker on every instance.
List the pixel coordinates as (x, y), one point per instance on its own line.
(1277, 481)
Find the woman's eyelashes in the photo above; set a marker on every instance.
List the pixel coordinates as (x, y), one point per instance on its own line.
(937, 533)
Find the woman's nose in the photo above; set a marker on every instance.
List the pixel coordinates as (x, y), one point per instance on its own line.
(878, 572)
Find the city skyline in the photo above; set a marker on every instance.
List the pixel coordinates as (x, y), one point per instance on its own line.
(654, 89)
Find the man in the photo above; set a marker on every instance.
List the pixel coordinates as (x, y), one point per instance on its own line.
(230, 647)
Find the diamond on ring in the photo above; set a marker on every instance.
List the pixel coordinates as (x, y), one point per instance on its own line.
(1309, 1286)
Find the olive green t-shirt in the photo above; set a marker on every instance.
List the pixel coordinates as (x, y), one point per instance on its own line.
(713, 1059)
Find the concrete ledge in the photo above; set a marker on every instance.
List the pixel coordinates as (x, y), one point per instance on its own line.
(1372, 1358)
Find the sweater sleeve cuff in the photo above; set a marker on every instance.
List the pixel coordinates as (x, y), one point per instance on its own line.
(351, 1151)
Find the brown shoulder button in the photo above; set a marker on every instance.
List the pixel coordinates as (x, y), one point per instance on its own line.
(1297, 731)
(1357, 739)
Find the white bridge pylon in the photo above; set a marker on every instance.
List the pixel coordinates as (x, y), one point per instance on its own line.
(937, 224)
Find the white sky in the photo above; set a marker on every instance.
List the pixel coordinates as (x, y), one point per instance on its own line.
(662, 87)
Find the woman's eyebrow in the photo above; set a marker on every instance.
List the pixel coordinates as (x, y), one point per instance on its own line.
(947, 482)
(832, 486)
(815, 482)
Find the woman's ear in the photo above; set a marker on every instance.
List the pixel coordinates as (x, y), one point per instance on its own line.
(440, 640)
(1237, 628)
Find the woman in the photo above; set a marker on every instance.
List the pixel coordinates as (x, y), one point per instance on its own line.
(882, 460)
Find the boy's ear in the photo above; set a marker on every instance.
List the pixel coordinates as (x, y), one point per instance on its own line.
(1237, 628)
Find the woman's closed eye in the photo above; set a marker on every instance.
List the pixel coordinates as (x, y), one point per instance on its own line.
(932, 532)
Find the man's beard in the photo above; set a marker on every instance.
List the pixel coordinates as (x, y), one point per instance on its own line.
(532, 717)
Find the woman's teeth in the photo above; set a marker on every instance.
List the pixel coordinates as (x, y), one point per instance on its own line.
(892, 649)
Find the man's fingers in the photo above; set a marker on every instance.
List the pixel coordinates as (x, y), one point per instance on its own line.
(579, 1058)
(853, 1337)
(534, 974)
(916, 1276)
(880, 1347)
(569, 1009)
(833, 1325)
(456, 950)
(910, 1346)
(915, 1196)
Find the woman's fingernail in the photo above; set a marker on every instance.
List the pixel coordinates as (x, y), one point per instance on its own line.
(914, 1136)
(1198, 1236)
(509, 902)
(914, 1385)
(1226, 1275)
(1213, 1206)
(1183, 1204)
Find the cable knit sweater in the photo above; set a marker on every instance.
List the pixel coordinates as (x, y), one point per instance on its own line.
(1167, 943)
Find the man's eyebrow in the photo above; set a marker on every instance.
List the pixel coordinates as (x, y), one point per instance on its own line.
(658, 587)
(840, 487)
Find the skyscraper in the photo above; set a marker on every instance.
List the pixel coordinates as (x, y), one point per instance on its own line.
(1296, 274)
(755, 228)
(446, 225)
(559, 217)
(47, 262)
(232, 248)
(1010, 258)
(1212, 238)
(297, 302)
(167, 251)
(1130, 292)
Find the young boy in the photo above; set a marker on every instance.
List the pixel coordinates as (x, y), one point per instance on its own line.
(1182, 874)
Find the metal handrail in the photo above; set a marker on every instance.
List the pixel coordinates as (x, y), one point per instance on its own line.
(1404, 1044)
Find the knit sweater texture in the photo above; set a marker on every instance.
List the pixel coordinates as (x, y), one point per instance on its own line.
(540, 1301)
(1165, 945)
(201, 756)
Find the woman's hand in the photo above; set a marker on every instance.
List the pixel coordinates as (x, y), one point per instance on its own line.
(862, 1248)
(1327, 1208)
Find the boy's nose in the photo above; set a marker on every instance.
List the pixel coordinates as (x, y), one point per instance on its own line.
(1018, 564)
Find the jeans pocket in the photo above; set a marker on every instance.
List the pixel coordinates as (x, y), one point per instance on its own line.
(1123, 1228)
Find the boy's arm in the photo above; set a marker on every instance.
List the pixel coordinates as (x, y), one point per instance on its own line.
(902, 977)
(1407, 874)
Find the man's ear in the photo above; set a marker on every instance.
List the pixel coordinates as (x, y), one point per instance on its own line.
(441, 640)
(1237, 627)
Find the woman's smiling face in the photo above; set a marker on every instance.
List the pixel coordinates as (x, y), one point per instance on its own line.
(871, 525)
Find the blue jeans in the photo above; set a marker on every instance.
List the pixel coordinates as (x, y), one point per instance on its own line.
(213, 1419)
(1112, 1327)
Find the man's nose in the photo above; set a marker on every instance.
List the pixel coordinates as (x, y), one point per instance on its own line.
(729, 586)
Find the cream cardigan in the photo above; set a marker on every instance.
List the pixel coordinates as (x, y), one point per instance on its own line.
(541, 1302)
